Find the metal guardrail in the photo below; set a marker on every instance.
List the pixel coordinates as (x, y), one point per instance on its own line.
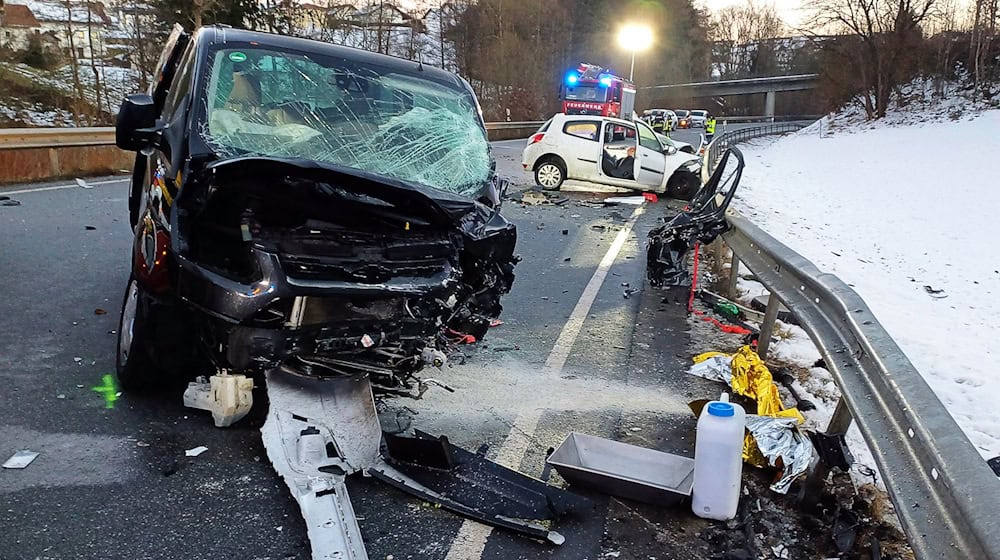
(946, 497)
(513, 125)
(758, 118)
(21, 138)
(723, 141)
(15, 138)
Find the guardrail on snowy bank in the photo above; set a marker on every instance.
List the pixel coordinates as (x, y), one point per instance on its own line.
(37, 154)
(944, 493)
(722, 142)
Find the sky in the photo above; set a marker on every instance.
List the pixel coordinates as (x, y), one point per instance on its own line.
(789, 10)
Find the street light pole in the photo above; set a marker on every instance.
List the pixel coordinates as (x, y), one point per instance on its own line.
(634, 38)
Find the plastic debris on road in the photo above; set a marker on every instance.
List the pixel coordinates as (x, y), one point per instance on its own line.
(83, 184)
(108, 388)
(20, 460)
(634, 200)
(195, 451)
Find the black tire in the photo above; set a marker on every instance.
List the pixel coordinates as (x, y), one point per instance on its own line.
(683, 185)
(154, 345)
(550, 173)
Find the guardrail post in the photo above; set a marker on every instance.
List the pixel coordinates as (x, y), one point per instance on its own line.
(841, 419)
(767, 326)
(719, 250)
(812, 489)
(734, 277)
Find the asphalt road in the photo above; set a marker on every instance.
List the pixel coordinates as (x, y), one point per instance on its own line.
(115, 482)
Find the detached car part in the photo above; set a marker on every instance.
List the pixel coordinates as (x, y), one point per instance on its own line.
(702, 221)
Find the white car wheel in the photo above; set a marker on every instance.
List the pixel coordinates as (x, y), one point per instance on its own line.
(549, 175)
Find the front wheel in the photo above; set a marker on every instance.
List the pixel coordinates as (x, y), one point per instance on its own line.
(135, 367)
(549, 175)
(683, 185)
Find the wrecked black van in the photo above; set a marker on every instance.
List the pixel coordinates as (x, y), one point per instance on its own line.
(306, 206)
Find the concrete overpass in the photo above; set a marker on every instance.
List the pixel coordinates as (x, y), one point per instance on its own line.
(768, 86)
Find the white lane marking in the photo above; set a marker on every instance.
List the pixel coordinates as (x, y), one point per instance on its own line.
(60, 187)
(470, 541)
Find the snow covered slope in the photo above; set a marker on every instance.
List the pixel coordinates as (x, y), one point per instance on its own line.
(899, 212)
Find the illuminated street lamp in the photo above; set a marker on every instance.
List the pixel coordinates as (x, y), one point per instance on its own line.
(635, 38)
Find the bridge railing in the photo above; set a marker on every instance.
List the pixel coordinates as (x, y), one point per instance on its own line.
(945, 495)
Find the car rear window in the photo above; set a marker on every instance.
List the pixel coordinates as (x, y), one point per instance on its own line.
(582, 129)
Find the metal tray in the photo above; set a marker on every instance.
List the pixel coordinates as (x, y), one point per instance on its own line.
(624, 470)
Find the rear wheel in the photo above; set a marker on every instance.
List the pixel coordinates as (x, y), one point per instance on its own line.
(550, 174)
(683, 185)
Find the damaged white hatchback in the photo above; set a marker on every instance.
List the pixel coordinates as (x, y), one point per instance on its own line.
(581, 150)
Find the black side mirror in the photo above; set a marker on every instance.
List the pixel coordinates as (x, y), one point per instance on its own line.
(136, 122)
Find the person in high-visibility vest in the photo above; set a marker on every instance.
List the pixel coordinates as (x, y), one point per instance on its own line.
(709, 128)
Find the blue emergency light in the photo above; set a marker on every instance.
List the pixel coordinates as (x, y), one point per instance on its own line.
(606, 81)
(571, 79)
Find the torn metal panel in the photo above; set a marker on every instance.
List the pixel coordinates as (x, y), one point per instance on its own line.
(334, 419)
(317, 432)
(702, 221)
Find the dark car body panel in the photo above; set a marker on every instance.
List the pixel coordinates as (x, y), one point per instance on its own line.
(271, 257)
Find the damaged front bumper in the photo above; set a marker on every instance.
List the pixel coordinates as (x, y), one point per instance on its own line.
(261, 324)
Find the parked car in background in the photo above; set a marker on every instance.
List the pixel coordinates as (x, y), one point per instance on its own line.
(698, 117)
(683, 118)
(610, 151)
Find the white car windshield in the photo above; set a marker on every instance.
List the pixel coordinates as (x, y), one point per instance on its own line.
(261, 102)
(699, 113)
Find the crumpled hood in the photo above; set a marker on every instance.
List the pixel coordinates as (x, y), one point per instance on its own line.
(436, 206)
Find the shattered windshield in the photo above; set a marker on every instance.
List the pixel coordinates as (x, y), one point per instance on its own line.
(260, 102)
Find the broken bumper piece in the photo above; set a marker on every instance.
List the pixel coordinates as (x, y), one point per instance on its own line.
(466, 483)
(319, 431)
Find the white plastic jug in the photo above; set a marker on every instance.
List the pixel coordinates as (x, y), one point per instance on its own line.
(718, 460)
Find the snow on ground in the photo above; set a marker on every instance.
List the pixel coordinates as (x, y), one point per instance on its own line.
(893, 210)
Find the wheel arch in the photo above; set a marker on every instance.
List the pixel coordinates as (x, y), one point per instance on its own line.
(555, 158)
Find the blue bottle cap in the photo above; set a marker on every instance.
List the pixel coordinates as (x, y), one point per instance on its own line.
(721, 409)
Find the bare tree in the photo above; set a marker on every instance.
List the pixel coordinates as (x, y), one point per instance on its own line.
(742, 37)
(888, 39)
(78, 98)
(982, 40)
(98, 89)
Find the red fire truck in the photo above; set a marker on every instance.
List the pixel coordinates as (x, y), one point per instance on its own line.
(591, 90)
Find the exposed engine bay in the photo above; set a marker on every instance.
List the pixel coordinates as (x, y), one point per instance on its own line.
(326, 273)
